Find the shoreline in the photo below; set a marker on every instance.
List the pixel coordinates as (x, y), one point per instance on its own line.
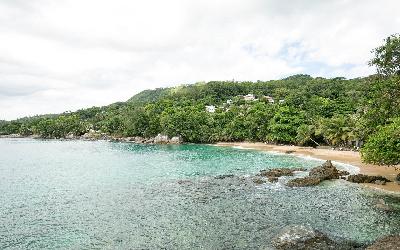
(345, 157)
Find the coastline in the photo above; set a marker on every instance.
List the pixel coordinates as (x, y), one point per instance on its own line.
(345, 157)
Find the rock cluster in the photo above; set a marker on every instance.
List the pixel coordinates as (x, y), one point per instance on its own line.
(324, 172)
(362, 178)
(327, 172)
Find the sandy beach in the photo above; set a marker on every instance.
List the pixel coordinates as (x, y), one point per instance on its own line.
(347, 157)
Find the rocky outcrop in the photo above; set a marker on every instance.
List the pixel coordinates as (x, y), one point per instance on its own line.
(278, 172)
(161, 139)
(304, 182)
(299, 237)
(326, 172)
(362, 178)
(391, 242)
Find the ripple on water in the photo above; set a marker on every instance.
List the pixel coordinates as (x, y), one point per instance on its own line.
(115, 195)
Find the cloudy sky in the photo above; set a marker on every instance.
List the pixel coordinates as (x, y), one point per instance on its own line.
(68, 54)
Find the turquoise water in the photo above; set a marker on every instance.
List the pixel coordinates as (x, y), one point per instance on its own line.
(102, 195)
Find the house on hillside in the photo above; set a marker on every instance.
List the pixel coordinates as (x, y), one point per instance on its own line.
(269, 99)
(281, 101)
(210, 109)
(249, 97)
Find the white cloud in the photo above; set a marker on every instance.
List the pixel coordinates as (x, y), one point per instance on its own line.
(67, 54)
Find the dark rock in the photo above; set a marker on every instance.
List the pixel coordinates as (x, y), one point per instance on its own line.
(326, 172)
(391, 242)
(273, 179)
(397, 179)
(304, 182)
(362, 178)
(220, 177)
(258, 180)
(344, 172)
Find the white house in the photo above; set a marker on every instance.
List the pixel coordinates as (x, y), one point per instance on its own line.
(269, 99)
(281, 101)
(210, 108)
(249, 97)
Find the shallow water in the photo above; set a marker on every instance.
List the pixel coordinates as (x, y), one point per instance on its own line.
(91, 195)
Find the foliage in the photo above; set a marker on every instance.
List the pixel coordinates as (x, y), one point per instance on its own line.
(383, 147)
(387, 56)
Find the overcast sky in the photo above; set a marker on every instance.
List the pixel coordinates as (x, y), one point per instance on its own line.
(59, 55)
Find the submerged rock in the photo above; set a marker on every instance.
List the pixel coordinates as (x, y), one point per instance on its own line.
(362, 178)
(304, 182)
(299, 237)
(382, 205)
(220, 177)
(391, 242)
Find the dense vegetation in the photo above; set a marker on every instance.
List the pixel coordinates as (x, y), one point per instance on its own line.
(306, 111)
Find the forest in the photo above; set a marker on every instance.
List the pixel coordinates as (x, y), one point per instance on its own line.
(299, 110)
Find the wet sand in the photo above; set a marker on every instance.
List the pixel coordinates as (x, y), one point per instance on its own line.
(347, 157)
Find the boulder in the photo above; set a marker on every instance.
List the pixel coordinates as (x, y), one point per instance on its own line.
(176, 140)
(397, 179)
(391, 242)
(301, 237)
(139, 139)
(362, 178)
(304, 182)
(161, 139)
(326, 172)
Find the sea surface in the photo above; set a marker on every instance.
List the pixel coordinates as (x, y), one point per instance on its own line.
(105, 195)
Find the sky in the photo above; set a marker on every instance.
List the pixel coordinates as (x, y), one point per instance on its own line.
(65, 55)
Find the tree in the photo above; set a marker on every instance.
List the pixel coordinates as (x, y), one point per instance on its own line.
(383, 147)
(387, 56)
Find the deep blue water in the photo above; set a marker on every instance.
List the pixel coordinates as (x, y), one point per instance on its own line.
(103, 195)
